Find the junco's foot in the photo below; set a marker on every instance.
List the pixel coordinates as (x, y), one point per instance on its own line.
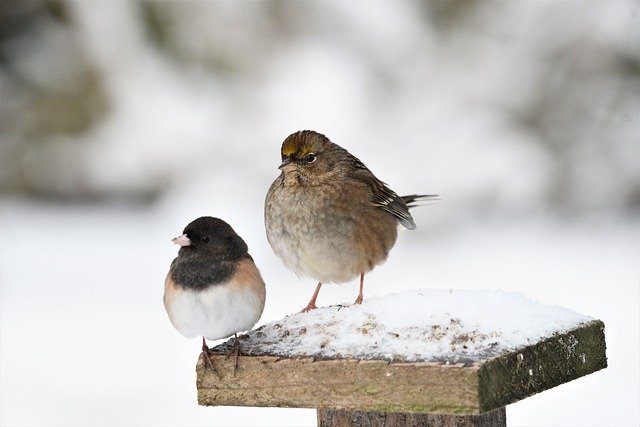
(235, 350)
(327, 216)
(207, 358)
(213, 288)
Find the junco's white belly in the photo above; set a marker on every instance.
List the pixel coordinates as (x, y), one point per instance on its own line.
(216, 312)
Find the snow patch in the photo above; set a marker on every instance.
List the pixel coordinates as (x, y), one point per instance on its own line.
(449, 326)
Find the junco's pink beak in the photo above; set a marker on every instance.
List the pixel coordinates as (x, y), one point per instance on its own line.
(182, 240)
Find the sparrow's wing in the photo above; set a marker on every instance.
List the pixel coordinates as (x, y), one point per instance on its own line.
(381, 195)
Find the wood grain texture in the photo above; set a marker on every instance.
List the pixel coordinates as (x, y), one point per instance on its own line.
(427, 387)
(541, 366)
(345, 418)
(349, 384)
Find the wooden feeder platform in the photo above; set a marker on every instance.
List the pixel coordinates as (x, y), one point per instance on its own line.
(379, 392)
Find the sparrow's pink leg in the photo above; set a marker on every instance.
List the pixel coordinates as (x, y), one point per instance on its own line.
(360, 297)
(312, 303)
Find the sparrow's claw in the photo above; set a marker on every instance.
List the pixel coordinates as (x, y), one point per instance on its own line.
(309, 307)
(312, 302)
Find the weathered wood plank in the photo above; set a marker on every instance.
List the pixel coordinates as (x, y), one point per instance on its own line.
(379, 386)
(369, 385)
(541, 366)
(345, 418)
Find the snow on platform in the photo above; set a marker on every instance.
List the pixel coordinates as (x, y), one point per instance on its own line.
(449, 326)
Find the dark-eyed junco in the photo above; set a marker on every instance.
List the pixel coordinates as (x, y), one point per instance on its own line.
(327, 216)
(213, 288)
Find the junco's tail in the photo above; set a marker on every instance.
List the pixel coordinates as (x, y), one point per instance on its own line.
(420, 200)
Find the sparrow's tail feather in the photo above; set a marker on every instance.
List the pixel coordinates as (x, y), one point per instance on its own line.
(420, 200)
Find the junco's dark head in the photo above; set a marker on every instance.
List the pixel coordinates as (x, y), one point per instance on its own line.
(208, 236)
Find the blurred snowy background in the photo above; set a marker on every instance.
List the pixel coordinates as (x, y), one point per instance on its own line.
(122, 121)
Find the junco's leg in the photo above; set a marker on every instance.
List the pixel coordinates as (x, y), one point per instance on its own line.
(207, 359)
(236, 346)
(235, 350)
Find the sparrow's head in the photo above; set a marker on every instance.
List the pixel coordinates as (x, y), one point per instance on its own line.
(310, 154)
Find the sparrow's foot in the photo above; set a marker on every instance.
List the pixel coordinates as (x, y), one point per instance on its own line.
(309, 307)
(359, 299)
(312, 302)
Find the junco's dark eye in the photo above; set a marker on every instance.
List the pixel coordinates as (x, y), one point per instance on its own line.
(205, 239)
(310, 158)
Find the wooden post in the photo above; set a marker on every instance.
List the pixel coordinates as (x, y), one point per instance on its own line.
(344, 418)
(349, 392)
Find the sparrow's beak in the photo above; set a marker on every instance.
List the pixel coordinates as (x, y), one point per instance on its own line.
(287, 165)
(182, 240)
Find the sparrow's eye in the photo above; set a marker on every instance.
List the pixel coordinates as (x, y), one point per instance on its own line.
(310, 158)
(205, 239)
